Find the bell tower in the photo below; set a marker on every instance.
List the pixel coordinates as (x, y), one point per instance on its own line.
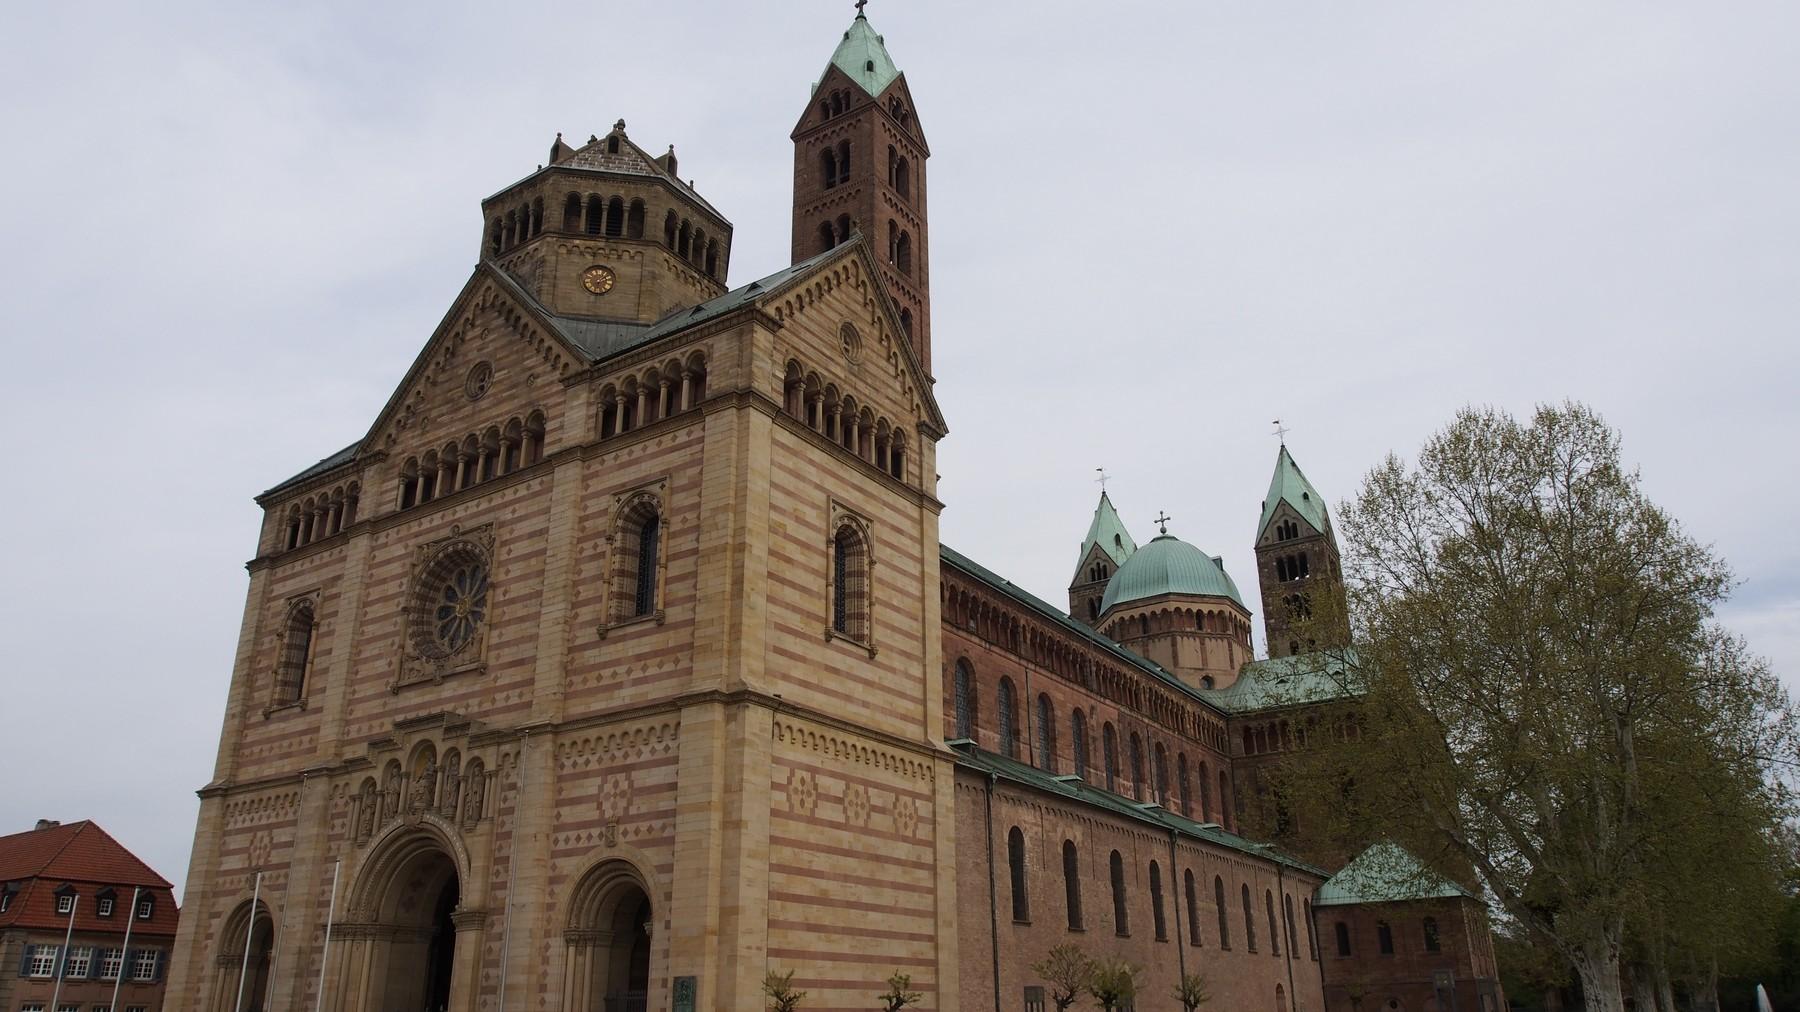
(859, 166)
(1297, 565)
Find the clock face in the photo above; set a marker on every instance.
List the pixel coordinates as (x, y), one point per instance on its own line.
(598, 279)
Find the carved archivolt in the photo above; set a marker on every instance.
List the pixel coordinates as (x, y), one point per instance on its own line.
(850, 752)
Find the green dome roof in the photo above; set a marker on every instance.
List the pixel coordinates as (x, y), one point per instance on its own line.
(1168, 565)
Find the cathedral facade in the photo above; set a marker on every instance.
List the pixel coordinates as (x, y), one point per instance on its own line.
(620, 665)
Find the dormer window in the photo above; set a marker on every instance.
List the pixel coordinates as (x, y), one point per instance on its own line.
(65, 903)
(104, 906)
(145, 908)
(7, 892)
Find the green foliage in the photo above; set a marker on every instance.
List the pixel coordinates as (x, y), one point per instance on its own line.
(779, 989)
(1112, 981)
(897, 996)
(1191, 992)
(1067, 970)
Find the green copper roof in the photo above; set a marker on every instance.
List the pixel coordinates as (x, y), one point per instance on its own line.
(864, 58)
(1290, 486)
(1385, 873)
(1109, 532)
(1288, 681)
(1168, 565)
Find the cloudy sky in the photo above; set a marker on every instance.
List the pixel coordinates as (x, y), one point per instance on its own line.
(1155, 228)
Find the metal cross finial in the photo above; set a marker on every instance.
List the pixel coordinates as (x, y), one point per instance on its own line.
(860, 4)
(1103, 479)
(1281, 432)
(1162, 520)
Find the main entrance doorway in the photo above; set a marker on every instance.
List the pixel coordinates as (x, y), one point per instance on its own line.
(419, 934)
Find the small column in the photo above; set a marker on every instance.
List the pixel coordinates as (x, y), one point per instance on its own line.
(643, 405)
(620, 422)
(446, 476)
(817, 414)
(462, 474)
(855, 437)
(465, 960)
(687, 389)
(337, 515)
(664, 406)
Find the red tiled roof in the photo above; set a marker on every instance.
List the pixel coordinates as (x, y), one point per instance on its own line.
(39, 862)
(76, 852)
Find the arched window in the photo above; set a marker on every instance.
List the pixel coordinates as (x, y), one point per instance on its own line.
(843, 161)
(1224, 797)
(1274, 932)
(1015, 862)
(965, 696)
(1287, 917)
(634, 220)
(712, 259)
(639, 546)
(850, 583)
(1312, 942)
(537, 216)
(1158, 917)
(684, 240)
(1384, 938)
(615, 218)
(1135, 756)
(1343, 938)
(612, 144)
(1249, 920)
(827, 237)
(1009, 728)
(828, 167)
(903, 254)
(1280, 999)
(906, 326)
(1193, 907)
(1109, 753)
(1046, 734)
(296, 654)
(496, 236)
(1078, 740)
(1181, 783)
(903, 178)
(1432, 944)
(1205, 792)
(572, 214)
(1161, 759)
(596, 215)
(671, 224)
(1219, 905)
(1072, 884)
(1121, 916)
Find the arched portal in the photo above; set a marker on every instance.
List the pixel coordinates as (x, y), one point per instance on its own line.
(402, 950)
(252, 928)
(609, 936)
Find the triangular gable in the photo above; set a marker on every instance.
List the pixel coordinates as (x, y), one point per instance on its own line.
(632, 160)
(834, 77)
(1109, 533)
(916, 129)
(487, 286)
(1289, 485)
(780, 302)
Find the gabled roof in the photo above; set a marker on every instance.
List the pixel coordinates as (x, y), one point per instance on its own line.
(77, 852)
(629, 160)
(1286, 681)
(864, 59)
(1386, 873)
(958, 561)
(595, 341)
(1107, 531)
(1290, 486)
(1082, 792)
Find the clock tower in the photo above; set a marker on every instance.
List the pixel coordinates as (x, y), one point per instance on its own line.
(859, 166)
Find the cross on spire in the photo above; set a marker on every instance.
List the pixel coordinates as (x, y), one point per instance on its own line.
(860, 4)
(1162, 520)
(1103, 479)
(1281, 432)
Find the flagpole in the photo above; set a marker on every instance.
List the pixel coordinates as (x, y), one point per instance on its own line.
(512, 866)
(124, 953)
(62, 962)
(330, 915)
(249, 933)
(278, 931)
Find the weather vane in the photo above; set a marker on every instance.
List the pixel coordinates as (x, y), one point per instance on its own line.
(1103, 479)
(1281, 432)
(1162, 520)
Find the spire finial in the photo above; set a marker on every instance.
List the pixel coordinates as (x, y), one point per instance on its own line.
(860, 4)
(1162, 521)
(1281, 432)
(1103, 479)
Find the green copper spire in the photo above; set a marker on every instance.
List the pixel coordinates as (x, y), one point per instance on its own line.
(1109, 532)
(864, 58)
(1291, 487)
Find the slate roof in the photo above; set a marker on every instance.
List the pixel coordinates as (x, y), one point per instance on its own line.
(956, 560)
(1107, 531)
(863, 57)
(1286, 681)
(1169, 565)
(1080, 791)
(1289, 485)
(1386, 873)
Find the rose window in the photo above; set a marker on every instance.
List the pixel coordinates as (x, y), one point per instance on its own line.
(462, 604)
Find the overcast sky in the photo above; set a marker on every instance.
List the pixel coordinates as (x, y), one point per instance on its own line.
(1155, 228)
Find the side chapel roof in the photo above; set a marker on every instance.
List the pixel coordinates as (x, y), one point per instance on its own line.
(1386, 873)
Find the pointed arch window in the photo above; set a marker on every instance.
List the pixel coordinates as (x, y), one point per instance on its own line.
(1072, 884)
(1015, 863)
(965, 701)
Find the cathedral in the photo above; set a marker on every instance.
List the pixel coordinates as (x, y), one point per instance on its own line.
(619, 664)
